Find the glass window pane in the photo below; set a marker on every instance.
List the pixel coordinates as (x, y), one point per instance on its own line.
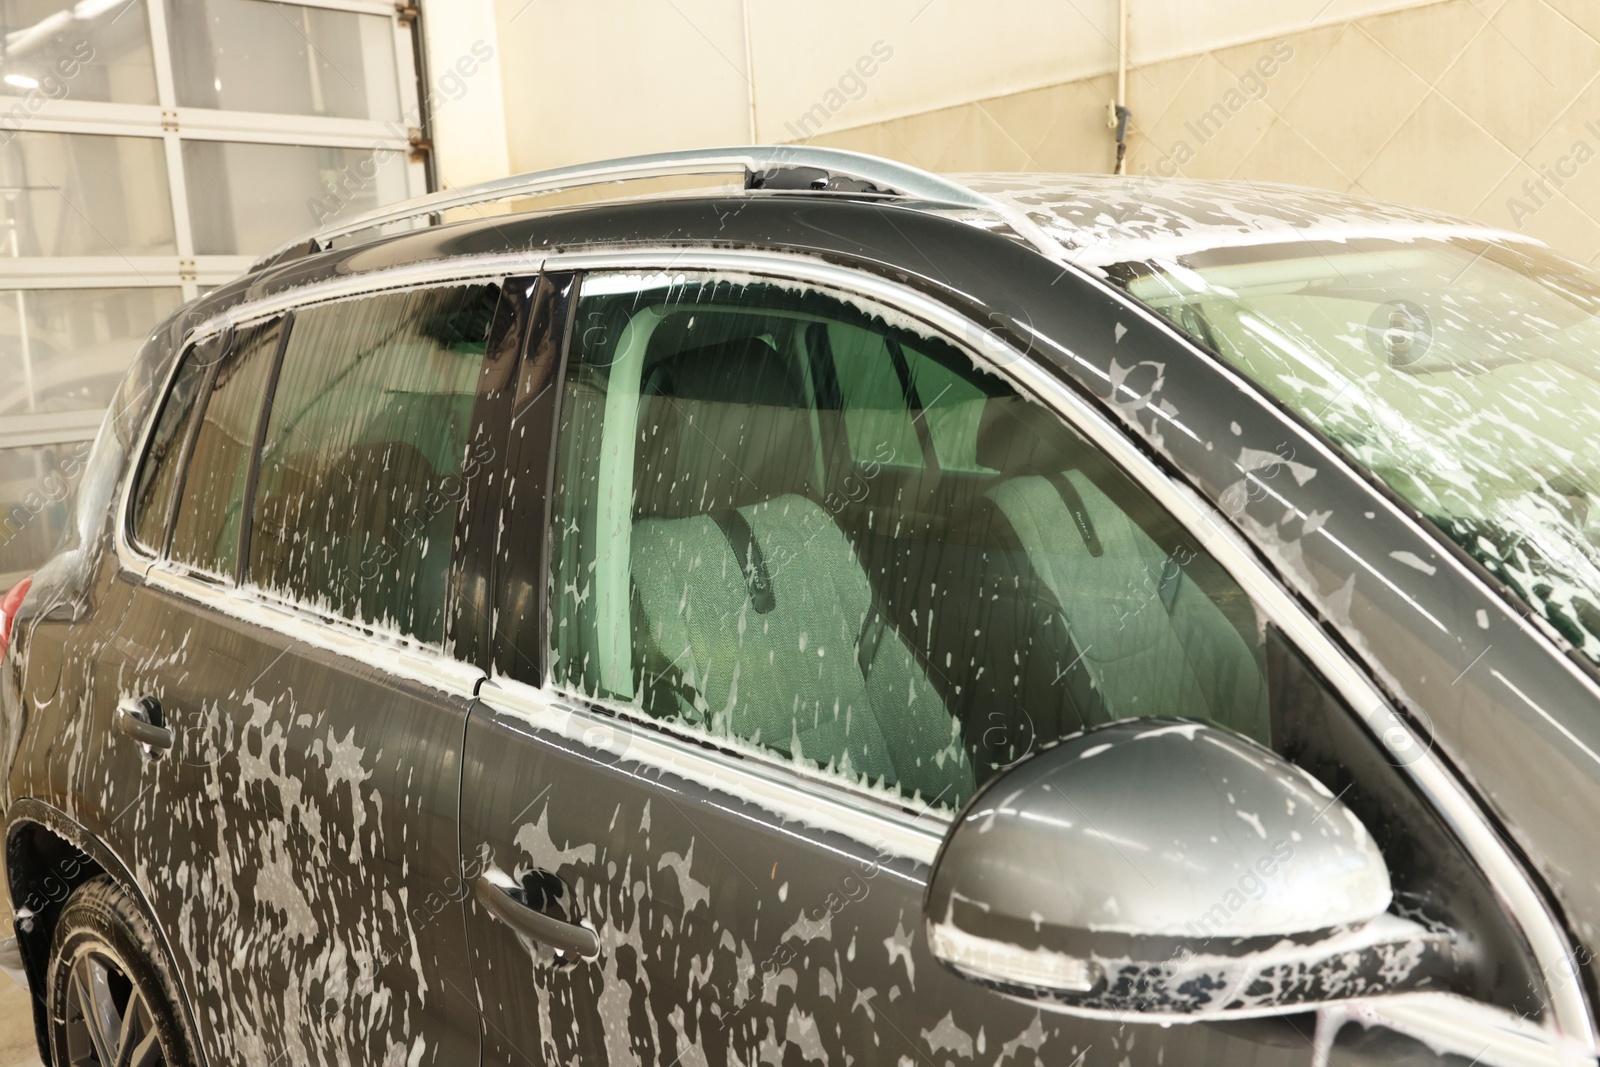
(67, 349)
(878, 423)
(366, 443)
(895, 397)
(245, 55)
(152, 494)
(783, 522)
(74, 194)
(952, 407)
(1461, 373)
(36, 486)
(56, 49)
(206, 533)
(250, 198)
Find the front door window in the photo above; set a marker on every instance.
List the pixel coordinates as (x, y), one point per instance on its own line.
(806, 527)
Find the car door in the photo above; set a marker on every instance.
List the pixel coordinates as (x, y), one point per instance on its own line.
(294, 824)
(785, 577)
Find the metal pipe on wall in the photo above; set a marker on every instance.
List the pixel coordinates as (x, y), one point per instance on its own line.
(749, 69)
(1122, 53)
(1119, 108)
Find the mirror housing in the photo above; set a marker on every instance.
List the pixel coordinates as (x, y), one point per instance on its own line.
(1169, 868)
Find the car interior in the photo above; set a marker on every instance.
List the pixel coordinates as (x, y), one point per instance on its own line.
(842, 542)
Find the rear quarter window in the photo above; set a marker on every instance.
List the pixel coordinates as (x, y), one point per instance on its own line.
(206, 529)
(151, 507)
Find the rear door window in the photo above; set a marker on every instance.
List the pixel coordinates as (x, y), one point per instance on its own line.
(360, 476)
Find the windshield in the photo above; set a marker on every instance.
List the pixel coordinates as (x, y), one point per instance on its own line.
(1463, 373)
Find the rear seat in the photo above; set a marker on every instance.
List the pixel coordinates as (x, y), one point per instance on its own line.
(756, 616)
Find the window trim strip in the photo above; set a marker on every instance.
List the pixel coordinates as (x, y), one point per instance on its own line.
(750, 777)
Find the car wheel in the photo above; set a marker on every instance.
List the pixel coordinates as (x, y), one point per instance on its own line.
(109, 1004)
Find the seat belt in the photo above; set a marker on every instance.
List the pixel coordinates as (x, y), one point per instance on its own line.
(752, 564)
(1076, 508)
(867, 642)
(1168, 582)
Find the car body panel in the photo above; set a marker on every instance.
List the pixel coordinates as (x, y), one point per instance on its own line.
(731, 933)
(296, 842)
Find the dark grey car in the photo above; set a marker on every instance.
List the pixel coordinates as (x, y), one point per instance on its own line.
(866, 618)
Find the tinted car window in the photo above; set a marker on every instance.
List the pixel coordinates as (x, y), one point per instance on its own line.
(1460, 373)
(205, 533)
(893, 396)
(152, 492)
(784, 522)
(366, 437)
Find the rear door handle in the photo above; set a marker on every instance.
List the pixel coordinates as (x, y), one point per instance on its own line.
(140, 718)
(510, 902)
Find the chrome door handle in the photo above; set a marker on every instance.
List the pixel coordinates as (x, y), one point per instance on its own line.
(507, 900)
(140, 718)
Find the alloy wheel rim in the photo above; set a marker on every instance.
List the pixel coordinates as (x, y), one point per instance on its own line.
(108, 1021)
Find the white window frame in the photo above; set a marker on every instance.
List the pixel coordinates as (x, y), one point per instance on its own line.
(172, 125)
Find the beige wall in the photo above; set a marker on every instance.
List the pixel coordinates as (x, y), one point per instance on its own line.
(609, 77)
(1486, 108)
(1472, 106)
(465, 92)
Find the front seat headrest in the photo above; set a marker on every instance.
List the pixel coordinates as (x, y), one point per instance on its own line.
(1018, 436)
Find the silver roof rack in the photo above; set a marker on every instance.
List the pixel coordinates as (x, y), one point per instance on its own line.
(882, 175)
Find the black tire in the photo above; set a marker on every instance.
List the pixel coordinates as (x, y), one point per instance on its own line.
(103, 977)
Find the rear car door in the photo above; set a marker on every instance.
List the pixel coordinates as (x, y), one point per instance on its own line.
(786, 576)
(297, 841)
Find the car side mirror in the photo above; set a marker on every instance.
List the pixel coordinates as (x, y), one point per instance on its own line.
(1163, 869)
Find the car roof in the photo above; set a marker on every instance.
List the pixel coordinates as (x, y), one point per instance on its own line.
(1101, 219)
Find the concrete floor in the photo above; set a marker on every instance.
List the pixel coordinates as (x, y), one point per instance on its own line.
(16, 1015)
(16, 1027)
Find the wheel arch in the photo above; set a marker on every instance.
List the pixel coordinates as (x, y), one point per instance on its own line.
(48, 855)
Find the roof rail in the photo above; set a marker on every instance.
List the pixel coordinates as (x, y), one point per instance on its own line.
(760, 164)
(881, 175)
